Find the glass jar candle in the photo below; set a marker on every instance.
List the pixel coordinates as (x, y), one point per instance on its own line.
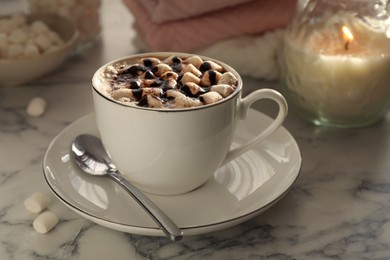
(336, 62)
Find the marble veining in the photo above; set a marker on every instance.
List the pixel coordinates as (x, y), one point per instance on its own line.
(339, 208)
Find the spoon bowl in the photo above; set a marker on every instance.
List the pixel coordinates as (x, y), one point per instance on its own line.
(90, 155)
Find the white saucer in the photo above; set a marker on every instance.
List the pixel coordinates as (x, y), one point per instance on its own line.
(238, 191)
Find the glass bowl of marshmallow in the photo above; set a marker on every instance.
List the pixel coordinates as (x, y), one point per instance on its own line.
(33, 46)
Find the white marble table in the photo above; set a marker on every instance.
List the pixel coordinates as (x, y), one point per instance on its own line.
(339, 208)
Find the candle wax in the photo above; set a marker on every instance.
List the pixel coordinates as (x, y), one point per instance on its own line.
(326, 78)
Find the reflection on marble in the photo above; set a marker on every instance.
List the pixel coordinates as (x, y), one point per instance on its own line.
(338, 209)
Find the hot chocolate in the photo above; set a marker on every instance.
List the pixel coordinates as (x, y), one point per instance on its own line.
(170, 83)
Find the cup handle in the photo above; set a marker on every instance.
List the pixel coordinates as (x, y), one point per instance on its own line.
(243, 109)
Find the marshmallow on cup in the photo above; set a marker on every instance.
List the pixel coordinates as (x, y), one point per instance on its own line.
(223, 89)
(189, 77)
(192, 89)
(227, 78)
(191, 68)
(210, 97)
(210, 77)
(194, 60)
(184, 101)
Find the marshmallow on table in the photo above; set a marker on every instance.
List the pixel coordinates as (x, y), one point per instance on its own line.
(37, 202)
(36, 107)
(45, 222)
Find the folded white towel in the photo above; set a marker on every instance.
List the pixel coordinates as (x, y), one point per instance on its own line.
(253, 56)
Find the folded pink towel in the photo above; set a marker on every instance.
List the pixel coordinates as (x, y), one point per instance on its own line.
(187, 35)
(168, 10)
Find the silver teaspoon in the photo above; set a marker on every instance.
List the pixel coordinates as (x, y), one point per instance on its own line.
(92, 158)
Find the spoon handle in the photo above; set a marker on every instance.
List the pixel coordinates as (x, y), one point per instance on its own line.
(170, 229)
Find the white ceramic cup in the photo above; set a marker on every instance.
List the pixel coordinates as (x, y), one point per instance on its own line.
(174, 151)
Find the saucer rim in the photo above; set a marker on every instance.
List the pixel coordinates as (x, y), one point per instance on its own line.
(155, 231)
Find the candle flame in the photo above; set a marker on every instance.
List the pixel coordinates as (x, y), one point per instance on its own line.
(347, 35)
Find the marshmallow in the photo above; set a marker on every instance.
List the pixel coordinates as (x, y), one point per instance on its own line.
(37, 202)
(134, 83)
(189, 77)
(85, 14)
(228, 78)
(17, 36)
(152, 91)
(174, 93)
(18, 19)
(150, 62)
(7, 25)
(45, 222)
(223, 89)
(151, 83)
(160, 69)
(170, 75)
(148, 75)
(210, 77)
(154, 101)
(210, 65)
(191, 68)
(135, 70)
(18, 39)
(170, 83)
(14, 51)
(210, 97)
(43, 42)
(136, 94)
(36, 107)
(192, 89)
(194, 60)
(185, 102)
(30, 50)
(122, 93)
(39, 27)
(182, 101)
(172, 59)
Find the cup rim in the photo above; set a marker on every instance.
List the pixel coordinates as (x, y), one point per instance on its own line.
(99, 71)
